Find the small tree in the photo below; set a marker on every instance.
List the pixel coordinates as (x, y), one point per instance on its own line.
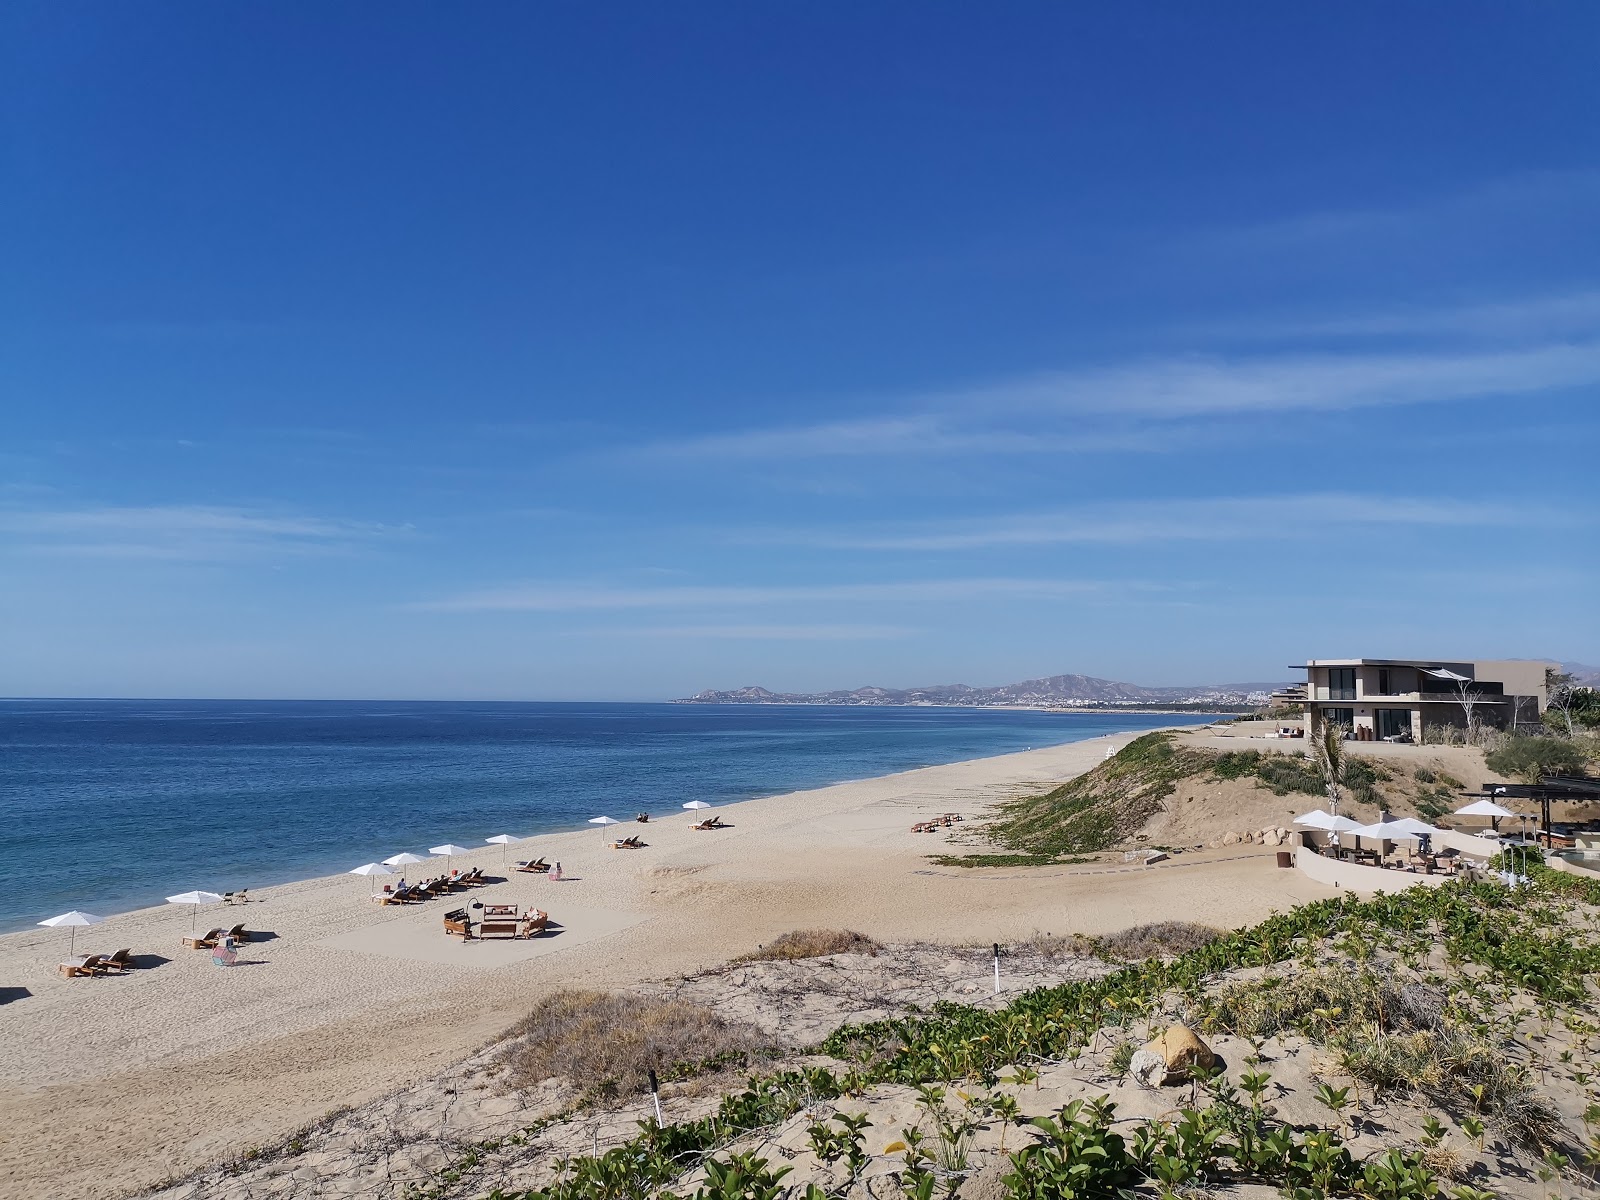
(1469, 697)
(1530, 759)
(1561, 696)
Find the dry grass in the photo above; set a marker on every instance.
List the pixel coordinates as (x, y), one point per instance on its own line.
(812, 943)
(1163, 939)
(606, 1044)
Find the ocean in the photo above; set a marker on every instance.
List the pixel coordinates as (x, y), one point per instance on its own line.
(111, 805)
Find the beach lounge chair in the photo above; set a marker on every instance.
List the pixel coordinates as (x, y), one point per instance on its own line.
(537, 865)
(398, 896)
(203, 943)
(239, 933)
(242, 896)
(629, 843)
(92, 965)
(535, 923)
(474, 878)
(122, 960)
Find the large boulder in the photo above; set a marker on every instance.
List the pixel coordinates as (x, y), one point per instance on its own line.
(1231, 839)
(1269, 837)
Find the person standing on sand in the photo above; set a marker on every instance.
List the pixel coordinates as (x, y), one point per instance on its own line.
(224, 955)
(555, 873)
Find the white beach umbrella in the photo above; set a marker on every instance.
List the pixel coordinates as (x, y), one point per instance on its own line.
(197, 899)
(404, 859)
(449, 850)
(72, 920)
(1317, 819)
(697, 804)
(1408, 828)
(1486, 808)
(603, 822)
(502, 840)
(372, 869)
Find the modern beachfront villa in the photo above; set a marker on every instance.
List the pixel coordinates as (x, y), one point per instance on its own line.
(1400, 699)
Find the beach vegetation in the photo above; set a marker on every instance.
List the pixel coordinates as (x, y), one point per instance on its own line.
(1449, 997)
(1099, 808)
(1158, 939)
(605, 1044)
(1530, 759)
(812, 943)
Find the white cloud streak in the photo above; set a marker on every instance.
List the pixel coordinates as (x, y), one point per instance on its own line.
(775, 633)
(1065, 412)
(577, 597)
(1206, 519)
(177, 532)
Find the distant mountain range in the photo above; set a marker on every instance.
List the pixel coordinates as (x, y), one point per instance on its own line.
(1064, 691)
(1058, 691)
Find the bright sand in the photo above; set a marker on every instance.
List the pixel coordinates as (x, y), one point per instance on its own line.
(116, 1083)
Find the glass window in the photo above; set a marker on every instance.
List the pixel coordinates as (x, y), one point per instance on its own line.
(1341, 683)
(1383, 682)
(1340, 716)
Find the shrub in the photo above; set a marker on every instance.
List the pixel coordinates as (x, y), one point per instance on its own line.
(1531, 758)
(605, 1044)
(1158, 940)
(812, 943)
(1283, 773)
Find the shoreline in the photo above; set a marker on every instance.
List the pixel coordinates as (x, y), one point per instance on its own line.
(303, 872)
(122, 1081)
(433, 865)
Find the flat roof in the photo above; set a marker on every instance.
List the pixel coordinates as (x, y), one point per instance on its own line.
(1384, 662)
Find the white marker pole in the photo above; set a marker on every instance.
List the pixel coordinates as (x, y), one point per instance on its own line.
(997, 968)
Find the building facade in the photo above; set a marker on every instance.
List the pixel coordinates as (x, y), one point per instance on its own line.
(1399, 699)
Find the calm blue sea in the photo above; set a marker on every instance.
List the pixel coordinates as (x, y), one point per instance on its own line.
(112, 805)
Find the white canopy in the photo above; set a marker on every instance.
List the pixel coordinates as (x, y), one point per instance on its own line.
(404, 859)
(1317, 819)
(372, 869)
(1444, 673)
(603, 821)
(195, 898)
(1405, 827)
(449, 849)
(72, 919)
(502, 839)
(697, 804)
(1484, 808)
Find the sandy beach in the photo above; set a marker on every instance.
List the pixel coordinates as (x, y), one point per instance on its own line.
(119, 1083)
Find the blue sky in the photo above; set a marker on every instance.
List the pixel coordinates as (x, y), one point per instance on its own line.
(618, 351)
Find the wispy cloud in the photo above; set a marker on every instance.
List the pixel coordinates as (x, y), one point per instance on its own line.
(178, 532)
(1525, 319)
(773, 633)
(1205, 519)
(576, 597)
(1126, 406)
(924, 434)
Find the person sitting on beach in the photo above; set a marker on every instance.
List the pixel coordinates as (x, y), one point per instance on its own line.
(224, 954)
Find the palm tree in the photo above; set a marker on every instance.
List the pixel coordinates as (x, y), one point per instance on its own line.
(1330, 761)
